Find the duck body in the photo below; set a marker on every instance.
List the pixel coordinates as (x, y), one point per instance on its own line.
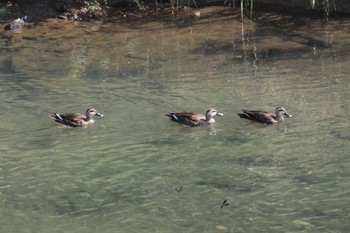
(265, 117)
(193, 119)
(76, 119)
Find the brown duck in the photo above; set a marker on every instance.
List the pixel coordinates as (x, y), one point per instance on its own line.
(265, 117)
(194, 119)
(76, 119)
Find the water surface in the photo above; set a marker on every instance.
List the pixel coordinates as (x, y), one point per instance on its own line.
(134, 171)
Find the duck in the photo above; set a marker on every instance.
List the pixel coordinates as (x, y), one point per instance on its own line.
(194, 119)
(76, 119)
(265, 117)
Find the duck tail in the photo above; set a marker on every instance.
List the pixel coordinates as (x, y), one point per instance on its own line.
(245, 115)
(56, 117)
(172, 117)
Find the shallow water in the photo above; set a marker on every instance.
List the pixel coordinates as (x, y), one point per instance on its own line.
(133, 170)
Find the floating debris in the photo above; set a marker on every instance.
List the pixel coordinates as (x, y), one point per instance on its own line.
(221, 228)
(302, 223)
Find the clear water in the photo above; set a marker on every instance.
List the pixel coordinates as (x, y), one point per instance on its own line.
(134, 171)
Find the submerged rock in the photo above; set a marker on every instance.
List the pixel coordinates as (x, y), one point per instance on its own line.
(16, 25)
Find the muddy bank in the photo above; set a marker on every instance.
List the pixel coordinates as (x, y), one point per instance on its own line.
(41, 10)
(101, 10)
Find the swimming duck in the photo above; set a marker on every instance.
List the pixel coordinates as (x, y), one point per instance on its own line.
(194, 119)
(265, 117)
(76, 119)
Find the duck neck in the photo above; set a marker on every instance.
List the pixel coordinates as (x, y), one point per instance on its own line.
(209, 119)
(279, 117)
(88, 116)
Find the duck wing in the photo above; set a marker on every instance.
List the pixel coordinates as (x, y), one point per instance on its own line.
(258, 116)
(187, 118)
(69, 119)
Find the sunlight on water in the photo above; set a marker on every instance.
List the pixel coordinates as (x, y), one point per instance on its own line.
(134, 170)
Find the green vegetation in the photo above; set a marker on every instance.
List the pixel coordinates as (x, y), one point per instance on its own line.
(93, 5)
(327, 6)
(97, 9)
(249, 5)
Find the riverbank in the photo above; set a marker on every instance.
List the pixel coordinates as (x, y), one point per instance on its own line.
(93, 11)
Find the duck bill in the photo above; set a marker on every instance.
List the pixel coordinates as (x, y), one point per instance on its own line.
(288, 115)
(220, 114)
(99, 114)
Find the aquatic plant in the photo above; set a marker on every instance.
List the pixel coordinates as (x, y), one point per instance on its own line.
(249, 4)
(327, 6)
(141, 6)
